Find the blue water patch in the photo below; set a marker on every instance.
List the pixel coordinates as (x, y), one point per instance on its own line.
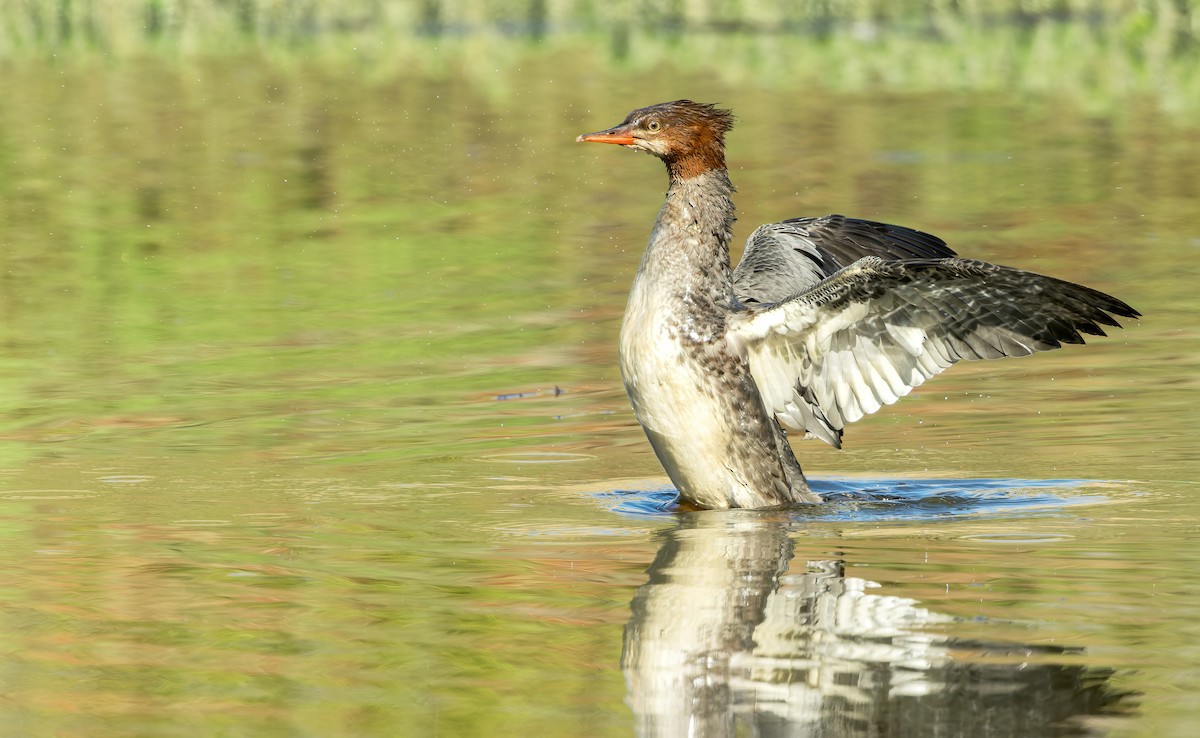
(873, 499)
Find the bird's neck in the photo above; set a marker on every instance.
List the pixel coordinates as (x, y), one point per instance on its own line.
(687, 259)
(707, 156)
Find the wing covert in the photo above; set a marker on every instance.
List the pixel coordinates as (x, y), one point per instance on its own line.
(782, 259)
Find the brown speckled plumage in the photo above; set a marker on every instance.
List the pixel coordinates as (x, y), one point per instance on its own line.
(825, 320)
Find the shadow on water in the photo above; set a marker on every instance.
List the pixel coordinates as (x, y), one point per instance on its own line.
(869, 499)
(728, 637)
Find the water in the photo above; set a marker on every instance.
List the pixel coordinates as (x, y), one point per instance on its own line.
(311, 424)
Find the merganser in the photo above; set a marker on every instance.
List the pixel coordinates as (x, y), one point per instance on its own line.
(823, 321)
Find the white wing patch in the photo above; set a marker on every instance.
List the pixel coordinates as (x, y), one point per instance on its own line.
(909, 337)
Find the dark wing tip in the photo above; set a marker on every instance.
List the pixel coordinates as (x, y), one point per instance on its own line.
(1121, 308)
(1101, 306)
(1050, 311)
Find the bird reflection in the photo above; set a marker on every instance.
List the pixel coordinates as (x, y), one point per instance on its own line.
(724, 641)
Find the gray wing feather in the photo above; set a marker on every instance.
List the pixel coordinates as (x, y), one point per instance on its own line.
(873, 331)
(782, 259)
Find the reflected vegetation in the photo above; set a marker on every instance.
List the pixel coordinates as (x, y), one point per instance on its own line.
(730, 637)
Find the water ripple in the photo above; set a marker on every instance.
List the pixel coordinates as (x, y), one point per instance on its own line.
(536, 457)
(863, 499)
(47, 494)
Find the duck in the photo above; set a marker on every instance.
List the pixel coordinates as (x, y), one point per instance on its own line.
(823, 321)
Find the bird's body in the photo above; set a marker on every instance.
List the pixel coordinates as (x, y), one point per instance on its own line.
(822, 322)
(688, 379)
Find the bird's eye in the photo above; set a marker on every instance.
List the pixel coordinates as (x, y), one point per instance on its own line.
(652, 126)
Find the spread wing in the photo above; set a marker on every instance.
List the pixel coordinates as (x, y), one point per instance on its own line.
(783, 259)
(866, 336)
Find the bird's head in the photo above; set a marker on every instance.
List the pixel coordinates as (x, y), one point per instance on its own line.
(689, 137)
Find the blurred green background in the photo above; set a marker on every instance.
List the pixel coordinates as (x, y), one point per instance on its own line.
(1106, 54)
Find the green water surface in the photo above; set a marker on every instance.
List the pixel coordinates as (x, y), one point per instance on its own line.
(310, 423)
